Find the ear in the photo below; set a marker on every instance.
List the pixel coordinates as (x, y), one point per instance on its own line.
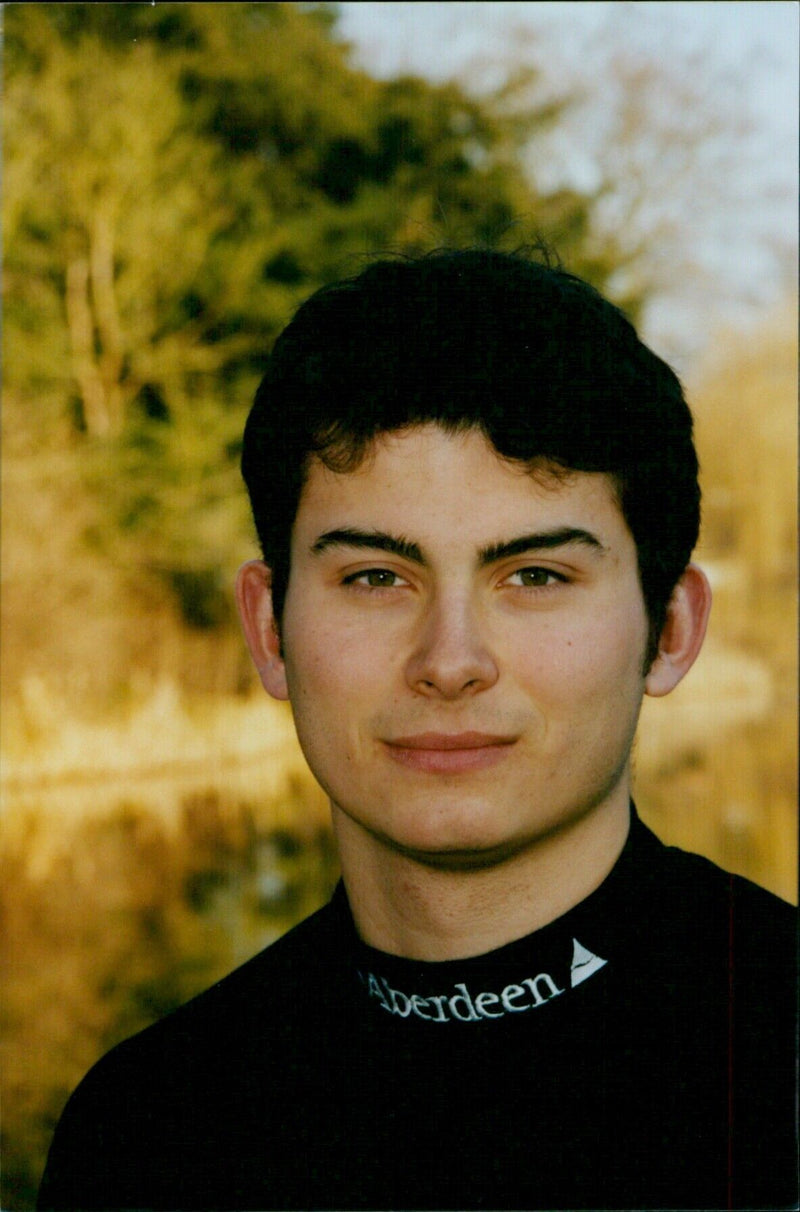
(254, 599)
(683, 634)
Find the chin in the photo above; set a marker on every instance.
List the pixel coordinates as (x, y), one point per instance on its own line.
(454, 849)
(460, 860)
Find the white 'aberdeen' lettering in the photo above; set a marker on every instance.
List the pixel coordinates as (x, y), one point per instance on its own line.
(461, 1006)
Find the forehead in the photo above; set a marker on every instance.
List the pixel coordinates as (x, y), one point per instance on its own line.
(425, 480)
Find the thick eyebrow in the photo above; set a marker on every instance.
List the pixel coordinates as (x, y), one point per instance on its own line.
(375, 540)
(546, 540)
(378, 540)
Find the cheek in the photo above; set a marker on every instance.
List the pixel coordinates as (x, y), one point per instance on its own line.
(332, 672)
(600, 658)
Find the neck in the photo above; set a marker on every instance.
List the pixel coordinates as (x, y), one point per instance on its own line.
(408, 907)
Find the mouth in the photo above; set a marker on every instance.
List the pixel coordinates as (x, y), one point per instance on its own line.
(449, 753)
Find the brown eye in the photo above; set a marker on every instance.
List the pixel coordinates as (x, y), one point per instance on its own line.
(380, 578)
(535, 577)
(374, 578)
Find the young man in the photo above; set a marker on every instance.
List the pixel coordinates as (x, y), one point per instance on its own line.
(476, 495)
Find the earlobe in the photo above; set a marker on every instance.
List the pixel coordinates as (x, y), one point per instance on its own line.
(254, 600)
(683, 633)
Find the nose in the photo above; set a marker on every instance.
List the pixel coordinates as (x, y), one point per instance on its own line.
(451, 658)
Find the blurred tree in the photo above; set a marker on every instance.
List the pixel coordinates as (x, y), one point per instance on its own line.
(718, 768)
(748, 389)
(687, 189)
(178, 177)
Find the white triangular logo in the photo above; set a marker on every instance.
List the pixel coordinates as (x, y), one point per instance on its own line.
(584, 963)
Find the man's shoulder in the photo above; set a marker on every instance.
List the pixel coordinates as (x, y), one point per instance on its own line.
(717, 914)
(706, 882)
(264, 1000)
(317, 940)
(228, 1057)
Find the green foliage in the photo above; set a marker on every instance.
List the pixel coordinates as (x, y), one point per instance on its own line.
(178, 177)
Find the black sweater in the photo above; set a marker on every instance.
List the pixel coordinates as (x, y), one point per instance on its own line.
(639, 1052)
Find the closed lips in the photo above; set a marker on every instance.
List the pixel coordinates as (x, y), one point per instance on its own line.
(448, 753)
(446, 741)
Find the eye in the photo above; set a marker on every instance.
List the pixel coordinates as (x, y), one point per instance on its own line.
(535, 578)
(374, 578)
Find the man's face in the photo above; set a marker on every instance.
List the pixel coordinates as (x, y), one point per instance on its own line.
(463, 646)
